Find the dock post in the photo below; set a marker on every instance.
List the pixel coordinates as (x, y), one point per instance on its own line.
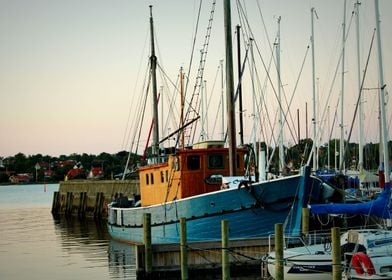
(98, 205)
(69, 204)
(184, 253)
(225, 251)
(82, 205)
(305, 223)
(336, 254)
(279, 252)
(56, 203)
(147, 243)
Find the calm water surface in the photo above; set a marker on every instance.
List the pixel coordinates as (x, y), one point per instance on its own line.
(34, 245)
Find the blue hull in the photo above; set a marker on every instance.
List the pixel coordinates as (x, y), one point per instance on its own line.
(251, 212)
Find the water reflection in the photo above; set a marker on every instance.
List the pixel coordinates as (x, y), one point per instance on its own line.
(122, 260)
(91, 239)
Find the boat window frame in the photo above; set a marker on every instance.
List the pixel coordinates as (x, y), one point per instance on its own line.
(192, 164)
(152, 178)
(162, 177)
(213, 164)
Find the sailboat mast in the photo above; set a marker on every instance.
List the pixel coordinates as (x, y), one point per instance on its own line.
(382, 98)
(341, 146)
(182, 109)
(360, 107)
(222, 101)
(254, 110)
(281, 152)
(153, 65)
(230, 89)
(238, 28)
(314, 148)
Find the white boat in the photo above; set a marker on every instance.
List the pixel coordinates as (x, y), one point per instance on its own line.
(304, 263)
(367, 254)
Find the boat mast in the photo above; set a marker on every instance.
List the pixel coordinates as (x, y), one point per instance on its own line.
(230, 89)
(382, 98)
(314, 148)
(203, 109)
(341, 146)
(254, 101)
(360, 111)
(182, 109)
(153, 65)
(222, 101)
(281, 152)
(238, 27)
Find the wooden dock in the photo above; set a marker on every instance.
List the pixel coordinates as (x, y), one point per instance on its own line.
(88, 198)
(204, 259)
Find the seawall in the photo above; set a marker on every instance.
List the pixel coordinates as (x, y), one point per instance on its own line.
(86, 198)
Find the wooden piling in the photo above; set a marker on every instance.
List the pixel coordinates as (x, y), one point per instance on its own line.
(183, 249)
(99, 201)
(56, 203)
(82, 205)
(225, 251)
(336, 254)
(69, 204)
(279, 252)
(147, 243)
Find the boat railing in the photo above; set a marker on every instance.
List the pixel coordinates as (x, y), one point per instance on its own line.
(314, 238)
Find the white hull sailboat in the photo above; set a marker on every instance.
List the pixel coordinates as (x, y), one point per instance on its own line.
(367, 254)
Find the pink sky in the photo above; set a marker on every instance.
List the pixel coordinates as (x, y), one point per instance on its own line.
(71, 71)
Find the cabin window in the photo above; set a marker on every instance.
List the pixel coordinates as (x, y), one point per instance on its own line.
(167, 176)
(147, 181)
(152, 178)
(215, 161)
(193, 162)
(162, 177)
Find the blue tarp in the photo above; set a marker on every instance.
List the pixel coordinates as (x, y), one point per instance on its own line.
(380, 207)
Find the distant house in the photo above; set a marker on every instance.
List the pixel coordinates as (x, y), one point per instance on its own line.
(95, 173)
(21, 178)
(77, 172)
(63, 163)
(48, 174)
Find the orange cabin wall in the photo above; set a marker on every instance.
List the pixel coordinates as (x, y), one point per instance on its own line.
(183, 183)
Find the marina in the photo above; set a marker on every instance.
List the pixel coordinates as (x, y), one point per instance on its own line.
(188, 198)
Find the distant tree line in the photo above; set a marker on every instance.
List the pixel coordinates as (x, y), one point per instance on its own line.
(114, 164)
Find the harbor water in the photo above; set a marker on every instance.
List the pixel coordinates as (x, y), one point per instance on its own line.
(35, 245)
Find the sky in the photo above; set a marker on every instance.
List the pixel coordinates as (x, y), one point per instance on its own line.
(71, 72)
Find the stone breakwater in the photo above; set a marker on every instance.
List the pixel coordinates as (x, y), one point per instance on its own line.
(86, 198)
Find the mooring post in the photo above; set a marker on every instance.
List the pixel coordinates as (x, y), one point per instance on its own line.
(305, 223)
(80, 208)
(336, 254)
(279, 251)
(69, 205)
(225, 251)
(147, 243)
(184, 253)
(56, 203)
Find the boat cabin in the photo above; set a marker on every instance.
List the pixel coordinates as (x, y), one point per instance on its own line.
(187, 173)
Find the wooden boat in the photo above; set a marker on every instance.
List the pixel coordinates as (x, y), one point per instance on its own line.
(188, 185)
